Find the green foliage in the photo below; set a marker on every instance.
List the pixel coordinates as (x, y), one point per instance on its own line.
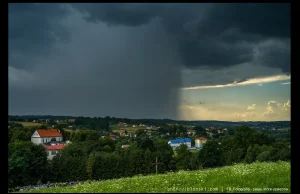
(263, 156)
(210, 155)
(27, 163)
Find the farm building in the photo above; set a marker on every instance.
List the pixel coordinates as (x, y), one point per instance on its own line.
(199, 142)
(176, 142)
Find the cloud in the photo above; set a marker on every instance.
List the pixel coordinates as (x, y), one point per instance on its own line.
(209, 35)
(276, 110)
(287, 105)
(251, 107)
(125, 59)
(243, 83)
(99, 71)
(244, 115)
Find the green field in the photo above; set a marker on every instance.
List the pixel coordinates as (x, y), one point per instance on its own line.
(128, 128)
(256, 178)
(29, 124)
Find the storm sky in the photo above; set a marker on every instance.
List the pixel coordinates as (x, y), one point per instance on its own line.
(179, 61)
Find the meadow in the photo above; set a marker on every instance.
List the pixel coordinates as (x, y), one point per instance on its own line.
(258, 177)
(128, 128)
(29, 124)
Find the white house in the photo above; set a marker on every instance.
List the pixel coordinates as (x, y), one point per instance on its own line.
(176, 142)
(52, 150)
(42, 136)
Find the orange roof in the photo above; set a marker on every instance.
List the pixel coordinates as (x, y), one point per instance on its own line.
(49, 133)
(55, 147)
(201, 138)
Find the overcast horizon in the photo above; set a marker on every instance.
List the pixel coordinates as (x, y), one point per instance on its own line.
(180, 61)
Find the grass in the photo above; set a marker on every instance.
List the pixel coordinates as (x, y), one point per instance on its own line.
(256, 177)
(29, 124)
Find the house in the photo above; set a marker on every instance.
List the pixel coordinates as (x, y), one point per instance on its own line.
(199, 142)
(209, 133)
(133, 125)
(219, 131)
(52, 150)
(71, 120)
(52, 140)
(112, 137)
(41, 136)
(191, 132)
(176, 142)
(125, 146)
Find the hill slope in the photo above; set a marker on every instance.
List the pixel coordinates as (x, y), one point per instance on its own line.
(255, 177)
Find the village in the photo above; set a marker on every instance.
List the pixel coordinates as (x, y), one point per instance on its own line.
(82, 148)
(53, 142)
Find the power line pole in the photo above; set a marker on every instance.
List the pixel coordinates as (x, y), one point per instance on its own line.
(156, 164)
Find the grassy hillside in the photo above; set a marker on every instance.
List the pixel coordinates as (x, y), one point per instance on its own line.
(255, 177)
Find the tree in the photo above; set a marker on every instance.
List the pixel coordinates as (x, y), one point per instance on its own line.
(200, 130)
(90, 166)
(147, 143)
(263, 156)
(182, 157)
(27, 163)
(250, 157)
(210, 155)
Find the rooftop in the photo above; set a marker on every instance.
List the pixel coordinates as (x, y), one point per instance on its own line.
(183, 140)
(49, 133)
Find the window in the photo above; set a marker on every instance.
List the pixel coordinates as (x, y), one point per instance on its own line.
(53, 152)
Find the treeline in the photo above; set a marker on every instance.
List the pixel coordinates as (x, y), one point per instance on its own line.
(92, 157)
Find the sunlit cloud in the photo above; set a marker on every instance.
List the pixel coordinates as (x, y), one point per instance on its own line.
(247, 82)
(275, 108)
(251, 107)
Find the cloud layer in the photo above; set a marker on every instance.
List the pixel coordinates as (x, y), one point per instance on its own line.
(128, 60)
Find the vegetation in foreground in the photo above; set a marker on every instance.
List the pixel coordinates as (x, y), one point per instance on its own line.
(258, 177)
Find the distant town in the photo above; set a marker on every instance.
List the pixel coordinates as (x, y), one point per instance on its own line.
(81, 148)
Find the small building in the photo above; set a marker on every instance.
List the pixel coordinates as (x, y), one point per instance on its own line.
(191, 132)
(176, 142)
(42, 136)
(199, 142)
(112, 137)
(125, 146)
(52, 150)
(71, 120)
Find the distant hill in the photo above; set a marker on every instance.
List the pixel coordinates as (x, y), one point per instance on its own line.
(169, 121)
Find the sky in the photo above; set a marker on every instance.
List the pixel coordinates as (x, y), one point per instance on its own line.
(184, 61)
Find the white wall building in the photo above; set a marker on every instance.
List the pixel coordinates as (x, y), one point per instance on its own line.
(176, 142)
(41, 136)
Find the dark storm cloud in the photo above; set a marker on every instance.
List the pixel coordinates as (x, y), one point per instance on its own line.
(208, 34)
(123, 59)
(33, 28)
(98, 71)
